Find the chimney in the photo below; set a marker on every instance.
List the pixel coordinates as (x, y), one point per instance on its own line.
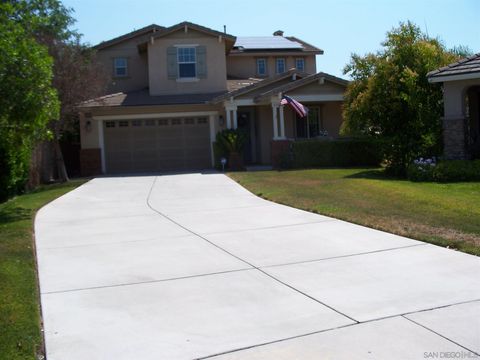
(278, 33)
(224, 29)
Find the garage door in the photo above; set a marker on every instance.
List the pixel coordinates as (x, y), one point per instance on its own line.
(150, 145)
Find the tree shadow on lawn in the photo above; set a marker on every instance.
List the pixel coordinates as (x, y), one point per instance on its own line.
(12, 214)
(375, 174)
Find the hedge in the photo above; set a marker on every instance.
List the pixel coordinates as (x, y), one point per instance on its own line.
(446, 171)
(332, 153)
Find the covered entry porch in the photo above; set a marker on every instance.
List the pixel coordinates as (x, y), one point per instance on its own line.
(271, 125)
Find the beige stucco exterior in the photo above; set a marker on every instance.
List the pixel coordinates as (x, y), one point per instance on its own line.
(216, 79)
(150, 59)
(245, 66)
(137, 66)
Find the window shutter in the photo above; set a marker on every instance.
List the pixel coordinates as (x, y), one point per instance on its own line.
(172, 66)
(201, 62)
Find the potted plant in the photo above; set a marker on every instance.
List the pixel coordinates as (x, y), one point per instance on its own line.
(232, 143)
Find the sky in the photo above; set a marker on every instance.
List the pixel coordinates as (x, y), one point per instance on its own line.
(340, 27)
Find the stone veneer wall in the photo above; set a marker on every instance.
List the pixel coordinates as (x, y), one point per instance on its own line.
(454, 139)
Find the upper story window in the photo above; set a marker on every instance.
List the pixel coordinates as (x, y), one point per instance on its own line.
(300, 64)
(120, 67)
(261, 67)
(187, 62)
(280, 65)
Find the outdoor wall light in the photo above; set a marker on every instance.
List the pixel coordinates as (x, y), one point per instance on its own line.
(221, 121)
(88, 125)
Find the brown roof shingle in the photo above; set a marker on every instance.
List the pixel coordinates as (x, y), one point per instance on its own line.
(143, 98)
(468, 65)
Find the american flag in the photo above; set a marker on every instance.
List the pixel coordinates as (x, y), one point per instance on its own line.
(300, 109)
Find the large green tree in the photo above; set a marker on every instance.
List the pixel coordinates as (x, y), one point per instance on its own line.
(390, 97)
(77, 75)
(28, 101)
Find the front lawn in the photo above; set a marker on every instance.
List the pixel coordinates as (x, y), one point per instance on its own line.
(20, 336)
(442, 214)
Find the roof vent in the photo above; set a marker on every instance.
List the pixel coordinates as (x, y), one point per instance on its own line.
(278, 33)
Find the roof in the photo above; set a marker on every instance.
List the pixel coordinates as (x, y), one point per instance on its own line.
(145, 30)
(237, 84)
(273, 43)
(301, 82)
(256, 85)
(462, 69)
(143, 98)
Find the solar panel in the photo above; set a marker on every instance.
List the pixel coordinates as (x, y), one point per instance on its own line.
(266, 42)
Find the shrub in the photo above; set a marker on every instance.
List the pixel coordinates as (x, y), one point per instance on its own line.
(231, 141)
(446, 171)
(340, 152)
(421, 169)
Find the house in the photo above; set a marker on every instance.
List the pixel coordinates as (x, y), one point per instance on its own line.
(461, 95)
(173, 88)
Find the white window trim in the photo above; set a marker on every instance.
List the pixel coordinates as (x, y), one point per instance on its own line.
(265, 66)
(187, 79)
(284, 65)
(115, 67)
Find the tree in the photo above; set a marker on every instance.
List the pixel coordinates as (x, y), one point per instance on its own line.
(78, 76)
(28, 102)
(391, 99)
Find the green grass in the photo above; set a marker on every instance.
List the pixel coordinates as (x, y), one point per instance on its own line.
(442, 214)
(20, 336)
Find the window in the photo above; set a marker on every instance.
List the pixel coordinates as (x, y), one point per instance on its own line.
(150, 122)
(186, 57)
(280, 65)
(120, 67)
(310, 126)
(300, 64)
(123, 123)
(202, 121)
(261, 67)
(176, 121)
(109, 124)
(136, 122)
(162, 122)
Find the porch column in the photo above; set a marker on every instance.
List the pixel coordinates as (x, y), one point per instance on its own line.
(229, 120)
(235, 121)
(282, 122)
(275, 122)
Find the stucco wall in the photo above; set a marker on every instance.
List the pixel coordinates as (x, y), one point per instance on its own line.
(137, 66)
(246, 66)
(454, 97)
(216, 78)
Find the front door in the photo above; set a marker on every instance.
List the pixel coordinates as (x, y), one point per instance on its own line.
(246, 123)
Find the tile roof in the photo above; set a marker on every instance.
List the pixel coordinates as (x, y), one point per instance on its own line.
(468, 65)
(237, 84)
(150, 28)
(258, 84)
(143, 98)
(301, 82)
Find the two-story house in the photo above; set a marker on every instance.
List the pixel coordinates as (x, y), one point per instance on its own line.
(174, 88)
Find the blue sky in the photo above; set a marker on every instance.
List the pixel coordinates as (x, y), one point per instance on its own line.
(338, 27)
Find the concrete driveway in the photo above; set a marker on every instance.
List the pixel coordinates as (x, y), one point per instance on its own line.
(194, 267)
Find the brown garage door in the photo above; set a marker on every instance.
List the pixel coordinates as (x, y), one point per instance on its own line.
(150, 145)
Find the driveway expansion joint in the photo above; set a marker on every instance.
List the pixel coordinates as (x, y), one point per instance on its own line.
(239, 258)
(442, 336)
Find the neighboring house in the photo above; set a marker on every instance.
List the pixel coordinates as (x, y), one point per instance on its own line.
(461, 95)
(174, 88)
